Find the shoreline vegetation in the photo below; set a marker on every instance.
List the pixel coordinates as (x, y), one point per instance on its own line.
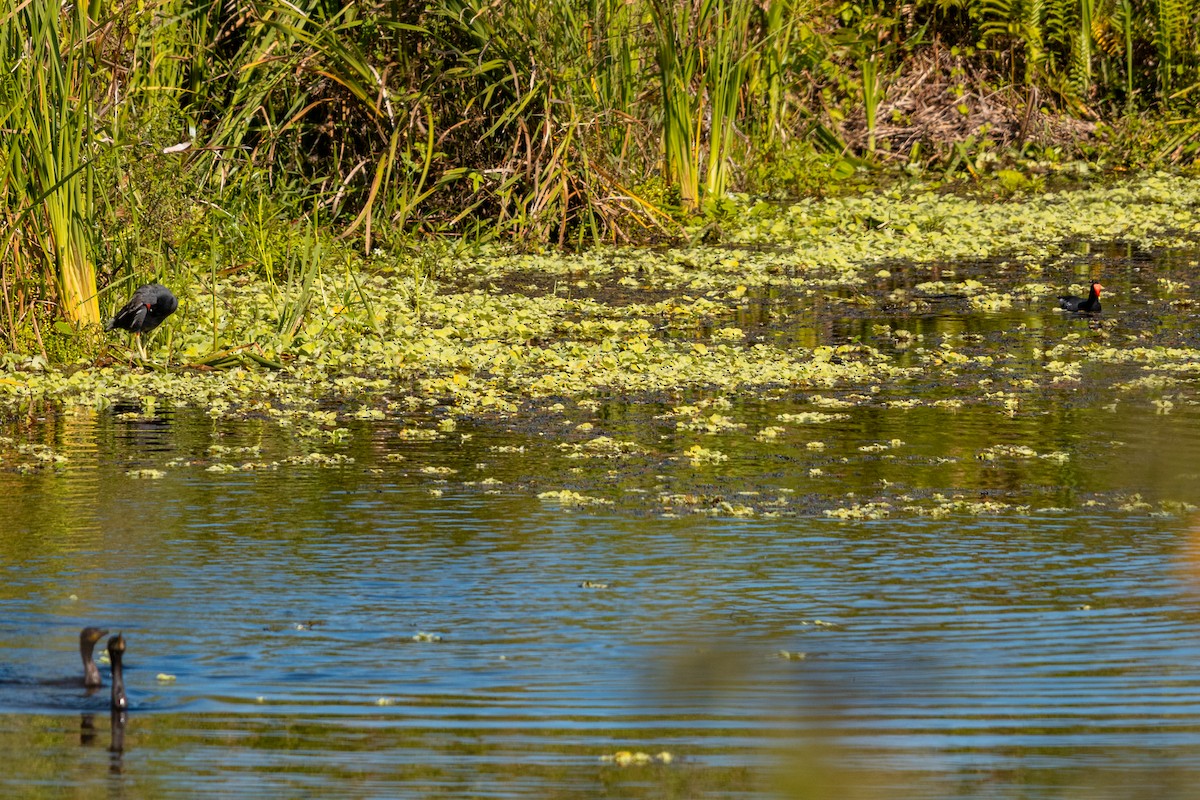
(494, 332)
(305, 171)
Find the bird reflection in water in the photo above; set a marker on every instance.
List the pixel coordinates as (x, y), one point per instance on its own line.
(116, 744)
(87, 729)
(120, 703)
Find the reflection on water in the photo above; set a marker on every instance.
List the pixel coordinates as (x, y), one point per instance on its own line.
(409, 619)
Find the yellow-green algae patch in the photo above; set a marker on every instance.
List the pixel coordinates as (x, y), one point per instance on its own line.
(565, 497)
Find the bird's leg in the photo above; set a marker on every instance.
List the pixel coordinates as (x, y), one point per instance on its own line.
(141, 347)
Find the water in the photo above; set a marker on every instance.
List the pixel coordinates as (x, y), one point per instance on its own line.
(285, 603)
(417, 622)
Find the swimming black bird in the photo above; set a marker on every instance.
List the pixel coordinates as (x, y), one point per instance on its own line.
(87, 643)
(1084, 305)
(146, 310)
(116, 649)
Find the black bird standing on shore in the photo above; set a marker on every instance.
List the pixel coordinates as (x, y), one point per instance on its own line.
(150, 305)
(1084, 305)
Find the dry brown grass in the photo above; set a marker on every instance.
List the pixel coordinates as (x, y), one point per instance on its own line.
(939, 99)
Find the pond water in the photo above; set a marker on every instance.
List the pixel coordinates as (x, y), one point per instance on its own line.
(964, 599)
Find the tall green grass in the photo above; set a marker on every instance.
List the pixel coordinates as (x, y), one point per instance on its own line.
(47, 190)
(677, 28)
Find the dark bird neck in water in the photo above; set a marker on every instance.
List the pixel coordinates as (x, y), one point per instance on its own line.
(1085, 305)
(116, 650)
(87, 644)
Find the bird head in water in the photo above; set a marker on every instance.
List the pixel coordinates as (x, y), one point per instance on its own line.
(87, 643)
(116, 644)
(89, 636)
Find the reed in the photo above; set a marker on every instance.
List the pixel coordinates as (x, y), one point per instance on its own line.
(726, 63)
(677, 54)
(872, 92)
(781, 21)
(48, 123)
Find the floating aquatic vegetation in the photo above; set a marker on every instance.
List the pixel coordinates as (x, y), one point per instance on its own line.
(941, 507)
(42, 453)
(330, 435)
(699, 455)
(991, 301)
(252, 466)
(566, 497)
(826, 401)
(134, 416)
(150, 474)
(964, 288)
(219, 450)
(422, 636)
(34, 458)
(1134, 502)
(1174, 509)
(320, 460)
(861, 511)
(1020, 451)
(625, 758)
(880, 447)
(602, 447)
(1036, 291)
(1063, 370)
(418, 434)
(711, 424)
(810, 417)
